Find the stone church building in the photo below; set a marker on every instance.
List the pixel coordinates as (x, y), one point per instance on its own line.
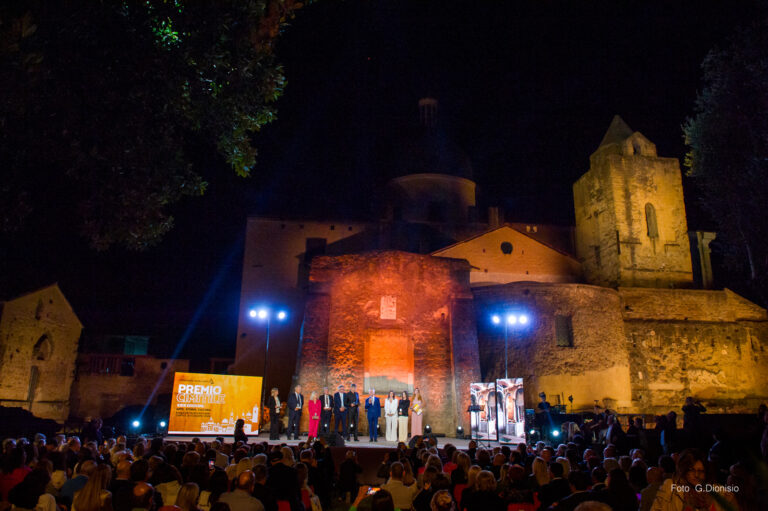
(619, 310)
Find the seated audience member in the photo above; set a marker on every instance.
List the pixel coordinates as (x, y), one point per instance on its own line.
(77, 483)
(442, 501)
(240, 499)
(648, 494)
(466, 494)
(680, 491)
(95, 496)
(260, 489)
(579, 484)
(619, 494)
(423, 499)
(143, 498)
(402, 495)
(31, 494)
(556, 489)
(167, 481)
(14, 468)
(485, 497)
(187, 498)
(598, 479)
(348, 473)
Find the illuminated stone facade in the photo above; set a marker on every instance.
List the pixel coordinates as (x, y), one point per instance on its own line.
(39, 334)
(614, 316)
(394, 321)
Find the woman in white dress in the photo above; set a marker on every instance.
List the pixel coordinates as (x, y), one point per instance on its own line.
(390, 412)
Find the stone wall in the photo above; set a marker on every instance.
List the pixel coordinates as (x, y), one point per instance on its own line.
(100, 390)
(596, 367)
(39, 334)
(389, 317)
(706, 344)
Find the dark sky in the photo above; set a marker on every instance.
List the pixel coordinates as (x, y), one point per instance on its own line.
(527, 89)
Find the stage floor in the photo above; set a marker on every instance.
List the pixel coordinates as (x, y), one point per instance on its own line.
(364, 443)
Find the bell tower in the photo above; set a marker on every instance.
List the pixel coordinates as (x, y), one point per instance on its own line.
(631, 228)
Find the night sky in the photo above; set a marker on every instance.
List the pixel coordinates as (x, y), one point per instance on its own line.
(527, 89)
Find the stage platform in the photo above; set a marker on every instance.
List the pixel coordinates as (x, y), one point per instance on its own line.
(364, 443)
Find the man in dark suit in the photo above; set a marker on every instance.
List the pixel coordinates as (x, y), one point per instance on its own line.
(373, 412)
(579, 482)
(353, 398)
(274, 415)
(295, 403)
(283, 482)
(340, 408)
(326, 413)
(260, 489)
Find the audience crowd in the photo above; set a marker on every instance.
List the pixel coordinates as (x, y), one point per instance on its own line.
(598, 466)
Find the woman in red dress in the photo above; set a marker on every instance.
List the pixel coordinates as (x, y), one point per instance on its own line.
(314, 415)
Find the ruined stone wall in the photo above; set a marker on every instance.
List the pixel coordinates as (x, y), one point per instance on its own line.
(596, 367)
(389, 318)
(613, 239)
(706, 344)
(103, 394)
(39, 334)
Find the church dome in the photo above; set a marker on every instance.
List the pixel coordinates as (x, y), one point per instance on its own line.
(427, 148)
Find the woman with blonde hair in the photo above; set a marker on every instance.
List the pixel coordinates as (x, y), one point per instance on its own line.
(566, 466)
(314, 408)
(466, 494)
(94, 496)
(442, 501)
(187, 498)
(540, 475)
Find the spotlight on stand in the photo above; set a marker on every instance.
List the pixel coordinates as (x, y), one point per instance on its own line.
(555, 433)
(427, 429)
(135, 424)
(281, 315)
(495, 319)
(459, 432)
(262, 313)
(532, 432)
(253, 313)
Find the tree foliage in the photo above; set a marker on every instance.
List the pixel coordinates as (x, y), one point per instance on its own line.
(728, 151)
(106, 106)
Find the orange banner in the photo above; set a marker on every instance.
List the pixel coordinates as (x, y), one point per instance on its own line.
(210, 404)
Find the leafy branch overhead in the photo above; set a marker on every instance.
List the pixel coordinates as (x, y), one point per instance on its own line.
(728, 151)
(111, 104)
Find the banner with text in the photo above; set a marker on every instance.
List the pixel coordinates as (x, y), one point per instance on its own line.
(210, 404)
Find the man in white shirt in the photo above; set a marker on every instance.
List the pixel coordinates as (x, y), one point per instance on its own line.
(240, 498)
(402, 495)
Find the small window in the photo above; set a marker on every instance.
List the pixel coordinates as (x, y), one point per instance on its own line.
(506, 248)
(564, 331)
(43, 348)
(650, 221)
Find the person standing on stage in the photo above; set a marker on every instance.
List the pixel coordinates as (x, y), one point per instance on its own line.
(274, 415)
(353, 398)
(295, 404)
(326, 415)
(417, 406)
(390, 412)
(402, 417)
(315, 409)
(240, 435)
(373, 412)
(340, 408)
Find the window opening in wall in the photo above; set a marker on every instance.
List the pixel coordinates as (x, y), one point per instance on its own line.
(43, 348)
(564, 331)
(650, 221)
(506, 247)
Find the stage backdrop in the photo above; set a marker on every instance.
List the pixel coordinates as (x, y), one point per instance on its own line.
(510, 410)
(210, 404)
(483, 423)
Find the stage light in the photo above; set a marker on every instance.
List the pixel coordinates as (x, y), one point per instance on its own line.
(252, 313)
(495, 319)
(427, 429)
(162, 424)
(511, 319)
(555, 433)
(532, 432)
(262, 313)
(135, 423)
(523, 319)
(281, 315)
(459, 432)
